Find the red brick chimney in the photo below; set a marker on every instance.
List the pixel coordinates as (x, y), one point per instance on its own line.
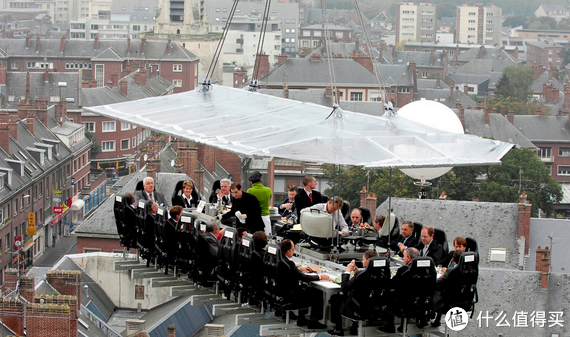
(142, 74)
(46, 76)
(262, 65)
(28, 87)
(554, 94)
(503, 110)
(11, 274)
(60, 110)
(524, 224)
(466, 89)
(538, 111)
(27, 287)
(37, 44)
(3, 74)
(240, 77)
(315, 57)
(12, 312)
(128, 46)
(412, 68)
(171, 330)
(543, 265)
(62, 44)
(566, 106)
(281, 59)
(143, 43)
(137, 78)
(69, 300)
(5, 144)
(50, 320)
(96, 42)
(511, 117)
(486, 114)
(28, 38)
(115, 79)
(188, 156)
(124, 86)
(451, 87)
(66, 282)
(285, 91)
(30, 121)
(169, 46)
(462, 115)
(371, 203)
(365, 61)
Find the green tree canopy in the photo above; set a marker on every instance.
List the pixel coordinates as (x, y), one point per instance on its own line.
(515, 21)
(516, 83)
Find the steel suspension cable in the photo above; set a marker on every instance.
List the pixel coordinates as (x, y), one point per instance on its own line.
(332, 75)
(261, 40)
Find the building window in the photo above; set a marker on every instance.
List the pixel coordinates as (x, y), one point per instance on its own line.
(125, 145)
(108, 146)
(14, 65)
(424, 74)
(564, 152)
(356, 96)
(100, 75)
(91, 250)
(544, 152)
(134, 142)
(177, 68)
(89, 126)
(109, 126)
(125, 126)
(404, 90)
(177, 83)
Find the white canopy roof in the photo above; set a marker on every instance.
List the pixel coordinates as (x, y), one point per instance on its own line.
(251, 123)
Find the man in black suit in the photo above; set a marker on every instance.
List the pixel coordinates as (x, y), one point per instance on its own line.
(307, 196)
(428, 246)
(208, 248)
(295, 293)
(170, 235)
(405, 240)
(288, 209)
(460, 245)
(149, 193)
(347, 286)
(248, 207)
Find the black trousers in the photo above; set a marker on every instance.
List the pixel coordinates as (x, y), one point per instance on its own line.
(307, 297)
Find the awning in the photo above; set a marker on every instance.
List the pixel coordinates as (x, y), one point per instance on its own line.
(255, 124)
(77, 204)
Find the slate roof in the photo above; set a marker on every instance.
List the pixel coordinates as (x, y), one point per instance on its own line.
(100, 96)
(467, 78)
(345, 50)
(330, 26)
(548, 8)
(544, 128)
(443, 96)
(16, 86)
(499, 128)
(489, 53)
(540, 230)
(545, 77)
(84, 49)
(316, 15)
(306, 72)
(447, 22)
(422, 59)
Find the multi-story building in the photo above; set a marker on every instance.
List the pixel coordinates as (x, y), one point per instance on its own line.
(541, 53)
(182, 17)
(101, 61)
(416, 22)
(286, 14)
(313, 36)
(478, 24)
(555, 11)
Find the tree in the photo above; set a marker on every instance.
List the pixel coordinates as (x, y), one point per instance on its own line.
(347, 182)
(95, 147)
(516, 83)
(446, 10)
(515, 21)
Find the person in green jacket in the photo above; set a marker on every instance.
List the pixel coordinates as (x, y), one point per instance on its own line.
(263, 194)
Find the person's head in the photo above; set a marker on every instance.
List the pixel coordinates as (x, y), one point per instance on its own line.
(259, 239)
(130, 198)
(378, 222)
(236, 190)
(367, 256)
(334, 204)
(407, 228)
(460, 244)
(225, 186)
(187, 188)
(175, 212)
(356, 216)
(287, 248)
(152, 205)
(241, 232)
(457, 256)
(410, 254)
(255, 177)
(148, 184)
(309, 182)
(427, 235)
(291, 193)
(213, 227)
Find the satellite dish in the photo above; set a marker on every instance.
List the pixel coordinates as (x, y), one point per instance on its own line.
(172, 163)
(436, 116)
(145, 157)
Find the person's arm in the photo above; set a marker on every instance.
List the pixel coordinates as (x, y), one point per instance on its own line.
(342, 223)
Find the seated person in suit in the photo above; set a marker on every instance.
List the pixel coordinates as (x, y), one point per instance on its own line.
(256, 274)
(297, 294)
(130, 197)
(215, 190)
(348, 278)
(333, 207)
(287, 208)
(149, 193)
(170, 234)
(208, 248)
(405, 240)
(460, 245)
(184, 197)
(356, 220)
(248, 207)
(428, 246)
(224, 193)
(307, 196)
(441, 283)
